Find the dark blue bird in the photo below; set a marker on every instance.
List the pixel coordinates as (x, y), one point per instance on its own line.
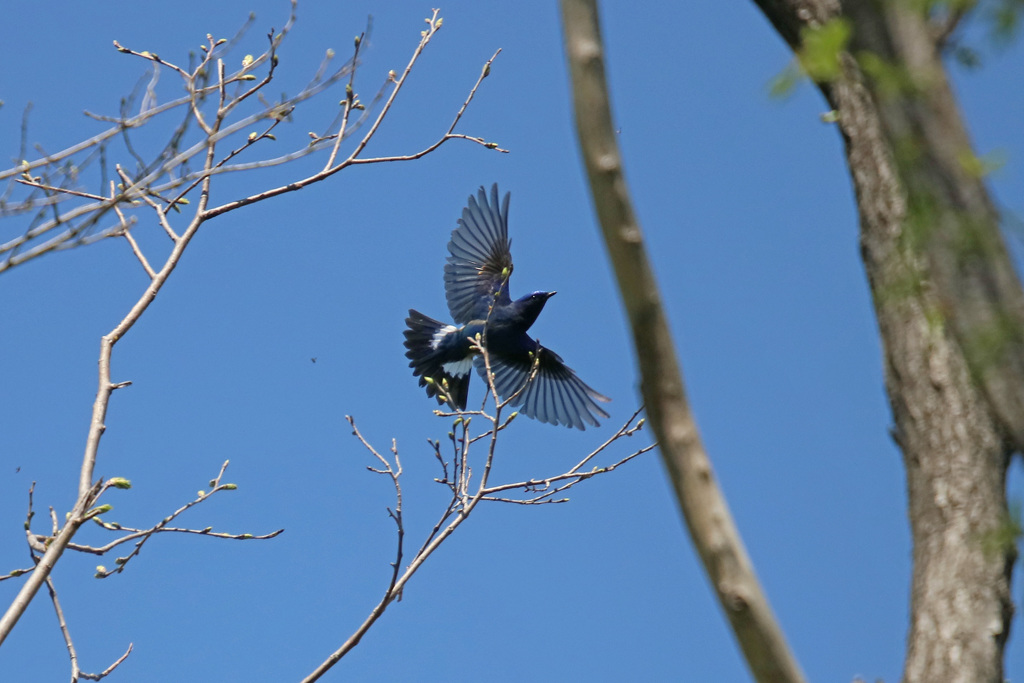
(476, 285)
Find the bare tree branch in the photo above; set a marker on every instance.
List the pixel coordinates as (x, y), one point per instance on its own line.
(466, 491)
(208, 106)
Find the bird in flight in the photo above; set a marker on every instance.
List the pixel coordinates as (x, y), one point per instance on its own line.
(476, 285)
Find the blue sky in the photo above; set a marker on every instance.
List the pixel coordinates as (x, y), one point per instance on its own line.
(749, 216)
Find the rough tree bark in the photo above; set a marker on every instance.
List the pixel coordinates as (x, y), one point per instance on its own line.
(950, 311)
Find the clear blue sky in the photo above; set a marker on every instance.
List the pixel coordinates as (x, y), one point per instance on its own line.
(750, 219)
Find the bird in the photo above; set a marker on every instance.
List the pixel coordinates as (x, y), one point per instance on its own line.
(476, 282)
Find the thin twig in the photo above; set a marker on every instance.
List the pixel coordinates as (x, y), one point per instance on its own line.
(76, 672)
(15, 573)
(61, 190)
(350, 100)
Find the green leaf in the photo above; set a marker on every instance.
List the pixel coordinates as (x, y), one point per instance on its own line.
(784, 83)
(967, 57)
(891, 79)
(981, 166)
(821, 47)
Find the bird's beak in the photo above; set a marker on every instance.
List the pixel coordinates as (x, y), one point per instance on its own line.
(551, 294)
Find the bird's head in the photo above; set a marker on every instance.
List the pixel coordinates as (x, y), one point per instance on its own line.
(530, 306)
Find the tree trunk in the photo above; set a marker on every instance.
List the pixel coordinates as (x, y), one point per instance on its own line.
(950, 311)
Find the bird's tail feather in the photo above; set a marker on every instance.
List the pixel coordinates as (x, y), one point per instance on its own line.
(421, 339)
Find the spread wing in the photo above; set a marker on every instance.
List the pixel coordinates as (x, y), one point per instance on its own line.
(480, 259)
(556, 395)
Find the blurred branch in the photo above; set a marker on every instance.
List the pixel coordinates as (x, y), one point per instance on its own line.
(702, 503)
(467, 491)
(943, 25)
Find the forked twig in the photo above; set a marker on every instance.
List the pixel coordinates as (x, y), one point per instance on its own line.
(467, 491)
(76, 672)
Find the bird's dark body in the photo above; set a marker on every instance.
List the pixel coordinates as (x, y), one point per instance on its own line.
(476, 284)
